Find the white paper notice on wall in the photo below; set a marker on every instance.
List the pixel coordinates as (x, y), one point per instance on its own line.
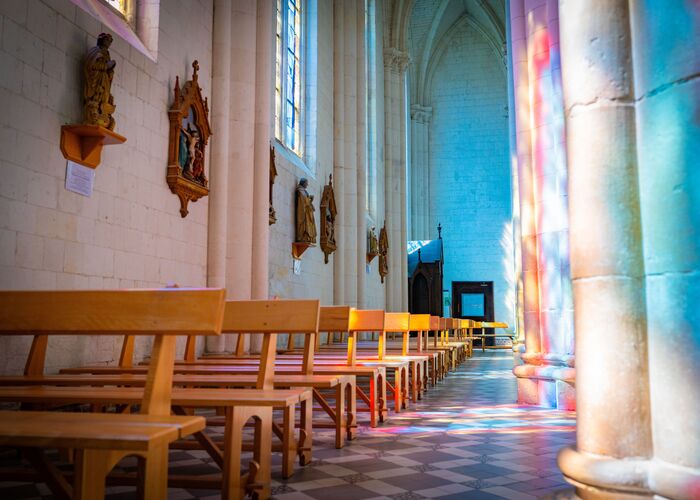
(296, 266)
(79, 179)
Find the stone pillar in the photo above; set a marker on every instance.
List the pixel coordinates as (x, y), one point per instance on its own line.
(666, 65)
(612, 393)
(218, 170)
(264, 99)
(361, 108)
(339, 147)
(350, 150)
(546, 376)
(420, 175)
(395, 63)
(239, 233)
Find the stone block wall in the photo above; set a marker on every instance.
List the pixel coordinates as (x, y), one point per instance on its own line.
(469, 172)
(129, 233)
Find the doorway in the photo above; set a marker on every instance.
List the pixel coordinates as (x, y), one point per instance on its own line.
(474, 300)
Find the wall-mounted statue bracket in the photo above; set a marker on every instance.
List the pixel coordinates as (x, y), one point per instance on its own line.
(328, 215)
(305, 222)
(383, 253)
(83, 143)
(189, 134)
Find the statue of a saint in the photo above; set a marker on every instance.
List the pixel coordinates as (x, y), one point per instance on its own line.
(305, 222)
(373, 242)
(383, 253)
(98, 70)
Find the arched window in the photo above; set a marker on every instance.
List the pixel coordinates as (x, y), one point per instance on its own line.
(288, 82)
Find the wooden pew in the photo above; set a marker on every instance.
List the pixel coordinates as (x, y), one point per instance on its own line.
(102, 441)
(482, 325)
(241, 405)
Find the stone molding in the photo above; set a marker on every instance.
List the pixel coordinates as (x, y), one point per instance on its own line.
(420, 113)
(396, 60)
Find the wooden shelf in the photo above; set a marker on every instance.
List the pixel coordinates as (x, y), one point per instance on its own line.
(83, 143)
(300, 248)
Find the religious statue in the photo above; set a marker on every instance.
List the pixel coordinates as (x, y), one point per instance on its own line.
(383, 253)
(189, 134)
(305, 222)
(98, 70)
(372, 244)
(328, 214)
(272, 218)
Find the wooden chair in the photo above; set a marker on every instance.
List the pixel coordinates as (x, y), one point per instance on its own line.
(102, 441)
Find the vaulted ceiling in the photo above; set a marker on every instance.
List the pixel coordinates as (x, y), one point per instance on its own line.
(431, 24)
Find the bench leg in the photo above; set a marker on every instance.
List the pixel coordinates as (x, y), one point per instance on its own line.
(415, 377)
(306, 430)
(351, 405)
(289, 445)
(406, 385)
(398, 390)
(234, 488)
(373, 401)
(154, 477)
(91, 469)
(383, 405)
(340, 418)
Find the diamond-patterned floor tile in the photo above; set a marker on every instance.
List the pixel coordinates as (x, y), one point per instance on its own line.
(466, 439)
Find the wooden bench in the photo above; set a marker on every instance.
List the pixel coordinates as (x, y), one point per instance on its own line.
(102, 441)
(240, 405)
(482, 325)
(342, 411)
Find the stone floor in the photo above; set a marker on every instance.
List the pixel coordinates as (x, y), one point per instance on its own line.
(465, 440)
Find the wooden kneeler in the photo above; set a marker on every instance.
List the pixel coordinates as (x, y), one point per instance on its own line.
(101, 441)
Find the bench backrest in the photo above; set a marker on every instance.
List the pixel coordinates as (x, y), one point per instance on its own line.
(270, 317)
(163, 313)
(419, 323)
(364, 320)
(399, 322)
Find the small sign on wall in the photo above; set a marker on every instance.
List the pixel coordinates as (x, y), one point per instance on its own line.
(296, 266)
(79, 179)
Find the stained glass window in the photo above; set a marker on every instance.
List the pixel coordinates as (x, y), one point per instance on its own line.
(288, 84)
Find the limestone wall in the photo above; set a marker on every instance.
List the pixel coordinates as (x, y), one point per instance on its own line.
(129, 233)
(469, 149)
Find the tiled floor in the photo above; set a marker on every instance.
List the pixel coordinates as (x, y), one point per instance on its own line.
(465, 440)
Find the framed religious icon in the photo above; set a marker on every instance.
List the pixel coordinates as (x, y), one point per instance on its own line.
(189, 134)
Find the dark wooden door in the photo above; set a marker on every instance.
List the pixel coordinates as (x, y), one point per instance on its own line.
(474, 300)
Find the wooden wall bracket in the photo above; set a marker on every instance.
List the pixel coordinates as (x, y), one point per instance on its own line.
(299, 248)
(83, 143)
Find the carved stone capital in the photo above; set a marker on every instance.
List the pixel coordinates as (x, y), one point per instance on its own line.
(420, 113)
(396, 60)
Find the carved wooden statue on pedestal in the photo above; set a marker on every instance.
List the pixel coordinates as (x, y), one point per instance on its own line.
(98, 72)
(328, 214)
(273, 174)
(383, 253)
(305, 234)
(82, 143)
(189, 134)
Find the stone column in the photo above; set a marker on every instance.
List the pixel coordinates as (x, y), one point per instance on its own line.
(350, 150)
(420, 175)
(239, 233)
(612, 393)
(218, 170)
(546, 376)
(339, 147)
(666, 83)
(395, 63)
(264, 98)
(361, 233)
